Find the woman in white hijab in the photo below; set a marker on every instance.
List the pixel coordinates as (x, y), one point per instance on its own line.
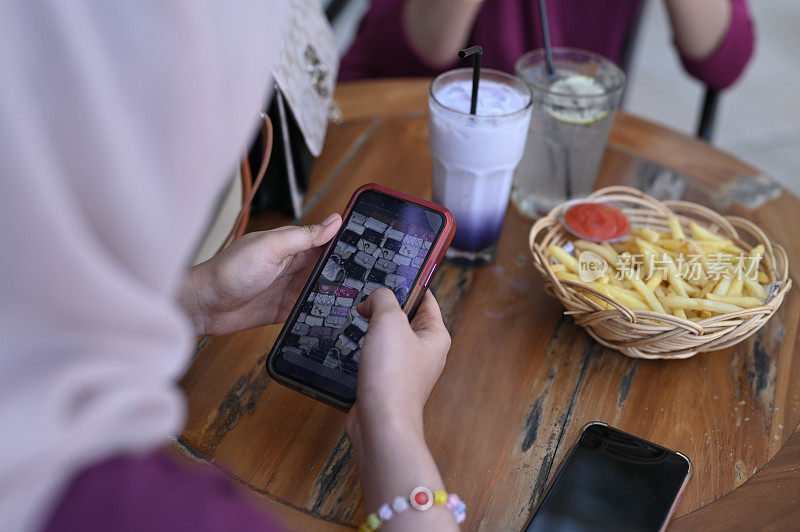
(118, 123)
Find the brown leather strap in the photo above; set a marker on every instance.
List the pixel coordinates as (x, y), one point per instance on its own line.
(249, 186)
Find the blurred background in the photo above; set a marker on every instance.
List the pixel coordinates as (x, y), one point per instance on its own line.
(758, 118)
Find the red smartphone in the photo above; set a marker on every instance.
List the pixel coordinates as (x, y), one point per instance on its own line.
(612, 480)
(387, 239)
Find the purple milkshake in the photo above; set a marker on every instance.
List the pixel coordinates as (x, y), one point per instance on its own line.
(474, 156)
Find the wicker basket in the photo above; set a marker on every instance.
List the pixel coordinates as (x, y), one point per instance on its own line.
(649, 334)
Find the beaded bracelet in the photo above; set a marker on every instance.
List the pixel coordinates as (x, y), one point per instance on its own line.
(421, 499)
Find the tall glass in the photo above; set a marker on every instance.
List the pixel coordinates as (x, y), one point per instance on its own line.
(572, 116)
(474, 156)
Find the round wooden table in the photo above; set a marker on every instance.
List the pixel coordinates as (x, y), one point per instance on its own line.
(521, 379)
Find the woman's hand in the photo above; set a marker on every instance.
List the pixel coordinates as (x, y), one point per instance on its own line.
(256, 280)
(400, 363)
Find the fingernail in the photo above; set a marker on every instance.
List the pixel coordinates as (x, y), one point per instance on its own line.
(329, 220)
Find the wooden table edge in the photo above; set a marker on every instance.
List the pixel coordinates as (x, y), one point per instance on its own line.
(778, 502)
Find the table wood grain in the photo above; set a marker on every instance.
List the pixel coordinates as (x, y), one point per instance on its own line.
(521, 379)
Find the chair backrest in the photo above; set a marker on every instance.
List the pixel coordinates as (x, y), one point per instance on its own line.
(708, 114)
(708, 110)
(630, 38)
(344, 17)
(334, 8)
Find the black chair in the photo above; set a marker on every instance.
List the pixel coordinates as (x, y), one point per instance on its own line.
(334, 9)
(708, 112)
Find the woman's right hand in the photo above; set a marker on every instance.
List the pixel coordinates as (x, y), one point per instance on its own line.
(400, 360)
(399, 365)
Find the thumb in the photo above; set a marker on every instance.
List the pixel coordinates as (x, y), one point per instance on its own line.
(380, 301)
(298, 238)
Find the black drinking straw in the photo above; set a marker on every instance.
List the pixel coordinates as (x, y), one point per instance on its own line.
(548, 50)
(477, 53)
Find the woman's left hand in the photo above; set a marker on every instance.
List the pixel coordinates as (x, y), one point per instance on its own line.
(256, 280)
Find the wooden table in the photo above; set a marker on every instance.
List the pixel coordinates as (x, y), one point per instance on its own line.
(521, 379)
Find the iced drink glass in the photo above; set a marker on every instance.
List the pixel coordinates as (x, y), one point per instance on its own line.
(572, 116)
(474, 156)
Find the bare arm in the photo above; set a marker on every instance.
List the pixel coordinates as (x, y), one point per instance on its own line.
(438, 29)
(393, 459)
(699, 25)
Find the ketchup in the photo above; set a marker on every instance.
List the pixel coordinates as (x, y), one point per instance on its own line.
(597, 221)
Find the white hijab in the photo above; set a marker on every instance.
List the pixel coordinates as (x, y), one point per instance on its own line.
(119, 122)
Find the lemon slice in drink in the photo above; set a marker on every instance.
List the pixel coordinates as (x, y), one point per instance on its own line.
(574, 100)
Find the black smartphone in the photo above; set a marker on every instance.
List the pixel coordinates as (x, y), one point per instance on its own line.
(612, 480)
(388, 239)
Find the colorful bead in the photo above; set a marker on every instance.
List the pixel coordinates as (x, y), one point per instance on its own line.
(452, 502)
(385, 512)
(373, 521)
(399, 504)
(421, 498)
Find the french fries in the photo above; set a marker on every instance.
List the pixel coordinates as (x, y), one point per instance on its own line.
(675, 228)
(693, 278)
(648, 295)
(564, 258)
(691, 303)
(740, 301)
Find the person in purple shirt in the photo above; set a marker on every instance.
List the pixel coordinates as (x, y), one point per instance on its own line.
(421, 37)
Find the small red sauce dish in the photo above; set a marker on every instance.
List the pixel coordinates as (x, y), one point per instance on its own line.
(595, 221)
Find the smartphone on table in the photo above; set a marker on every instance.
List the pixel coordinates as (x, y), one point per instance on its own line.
(612, 480)
(387, 239)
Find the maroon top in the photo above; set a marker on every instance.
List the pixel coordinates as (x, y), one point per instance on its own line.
(155, 493)
(508, 28)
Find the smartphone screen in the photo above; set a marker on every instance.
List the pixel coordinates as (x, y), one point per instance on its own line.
(384, 241)
(612, 481)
